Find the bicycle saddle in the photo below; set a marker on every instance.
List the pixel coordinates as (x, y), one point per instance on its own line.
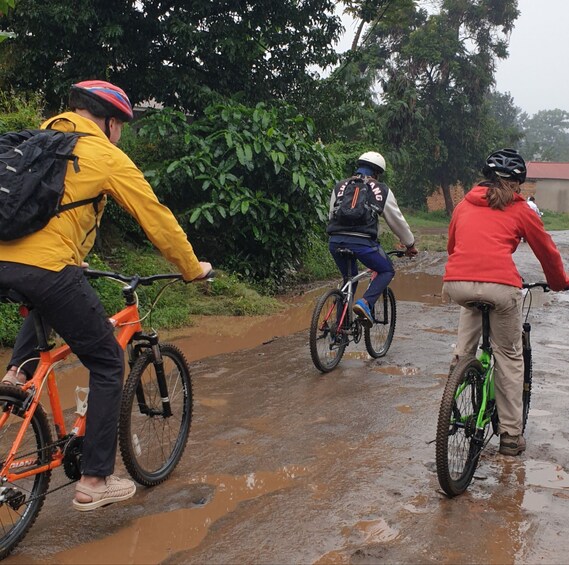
(480, 304)
(344, 252)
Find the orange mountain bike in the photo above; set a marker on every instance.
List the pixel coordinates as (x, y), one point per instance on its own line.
(155, 416)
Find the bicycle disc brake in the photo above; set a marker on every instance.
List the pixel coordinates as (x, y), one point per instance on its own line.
(72, 455)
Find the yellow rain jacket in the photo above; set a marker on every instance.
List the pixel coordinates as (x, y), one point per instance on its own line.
(104, 169)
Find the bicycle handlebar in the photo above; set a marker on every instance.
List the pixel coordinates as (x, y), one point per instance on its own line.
(397, 253)
(133, 281)
(540, 284)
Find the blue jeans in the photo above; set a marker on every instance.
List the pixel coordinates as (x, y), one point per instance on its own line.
(370, 254)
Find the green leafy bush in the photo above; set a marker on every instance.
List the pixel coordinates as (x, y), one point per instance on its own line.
(19, 111)
(248, 184)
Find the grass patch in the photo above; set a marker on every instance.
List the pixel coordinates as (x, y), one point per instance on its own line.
(555, 221)
(225, 295)
(423, 219)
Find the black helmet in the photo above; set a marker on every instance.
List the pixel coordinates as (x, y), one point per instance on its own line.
(506, 163)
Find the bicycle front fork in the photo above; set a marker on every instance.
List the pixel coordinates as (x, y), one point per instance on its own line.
(158, 363)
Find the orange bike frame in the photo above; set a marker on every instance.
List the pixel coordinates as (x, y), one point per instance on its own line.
(128, 320)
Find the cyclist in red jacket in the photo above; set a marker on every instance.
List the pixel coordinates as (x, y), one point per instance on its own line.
(485, 230)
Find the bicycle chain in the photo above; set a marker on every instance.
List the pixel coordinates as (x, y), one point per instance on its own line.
(51, 446)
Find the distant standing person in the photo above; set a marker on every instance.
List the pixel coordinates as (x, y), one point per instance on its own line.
(533, 206)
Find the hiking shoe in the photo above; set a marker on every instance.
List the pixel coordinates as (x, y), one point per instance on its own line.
(512, 445)
(361, 309)
(113, 490)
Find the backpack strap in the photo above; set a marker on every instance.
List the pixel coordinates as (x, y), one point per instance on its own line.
(95, 201)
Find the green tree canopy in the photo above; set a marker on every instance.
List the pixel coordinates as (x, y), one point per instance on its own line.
(436, 78)
(546, 136)
(178, 53)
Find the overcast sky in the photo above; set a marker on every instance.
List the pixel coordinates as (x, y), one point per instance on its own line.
(536, 72)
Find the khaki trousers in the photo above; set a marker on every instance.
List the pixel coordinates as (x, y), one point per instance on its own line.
(505, 339)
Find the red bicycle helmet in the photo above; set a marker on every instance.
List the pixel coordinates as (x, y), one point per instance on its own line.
(111, 97)
(506, 163)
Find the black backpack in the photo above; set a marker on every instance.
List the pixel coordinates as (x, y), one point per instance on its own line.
(355, 203)
(33, 164)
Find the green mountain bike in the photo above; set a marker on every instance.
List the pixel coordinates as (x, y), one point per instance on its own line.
(468, 417)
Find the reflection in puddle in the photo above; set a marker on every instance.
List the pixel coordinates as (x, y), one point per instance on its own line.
(372, 531)
(154, 538)
(417, 505)
(356, 355)
(402, 371)
(535, 501)
(417, 287)
(362, 533)
(546, 475)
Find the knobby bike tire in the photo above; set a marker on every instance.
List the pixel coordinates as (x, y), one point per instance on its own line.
(378, 338)
(15, 522)
(457, 453)
(528, 375)
(151, 442)
(327, 346)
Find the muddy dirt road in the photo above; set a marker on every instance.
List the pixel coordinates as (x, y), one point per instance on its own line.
(286, 465)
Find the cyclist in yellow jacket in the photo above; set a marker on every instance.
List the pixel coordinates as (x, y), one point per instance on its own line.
(46, 266)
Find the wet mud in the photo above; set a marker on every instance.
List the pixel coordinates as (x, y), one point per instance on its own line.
(287, 465)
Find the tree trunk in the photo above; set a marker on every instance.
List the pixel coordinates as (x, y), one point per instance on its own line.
(357, 36)
(449, 205)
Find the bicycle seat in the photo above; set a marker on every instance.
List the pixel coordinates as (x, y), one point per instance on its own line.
(344, 252)
(12, 296)
(480, 304)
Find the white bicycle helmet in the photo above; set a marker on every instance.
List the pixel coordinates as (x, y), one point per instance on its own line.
(373, 159)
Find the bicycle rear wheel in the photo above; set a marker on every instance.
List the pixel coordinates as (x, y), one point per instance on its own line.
(458, 444)
(528, 374)
(378, 338)
(21, 500)
(154, 429)
(327, 345)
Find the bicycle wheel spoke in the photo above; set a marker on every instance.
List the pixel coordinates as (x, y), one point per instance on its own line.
(378, 338)
(151, 440)
(21, 499)
(459, 442)
(327, 342)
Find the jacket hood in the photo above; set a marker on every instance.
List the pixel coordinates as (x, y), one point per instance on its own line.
(477, 196)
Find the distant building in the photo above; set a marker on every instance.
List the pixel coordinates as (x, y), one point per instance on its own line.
(547, 182)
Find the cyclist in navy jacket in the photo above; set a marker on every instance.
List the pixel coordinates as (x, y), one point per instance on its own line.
(361, 238)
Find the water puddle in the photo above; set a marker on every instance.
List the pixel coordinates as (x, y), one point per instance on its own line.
(155, 538)
(545, 474)
(365, 532)
(215, 335)
(371, 531)
(397, 371)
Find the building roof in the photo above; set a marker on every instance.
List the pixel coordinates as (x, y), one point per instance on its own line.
(543, 170)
